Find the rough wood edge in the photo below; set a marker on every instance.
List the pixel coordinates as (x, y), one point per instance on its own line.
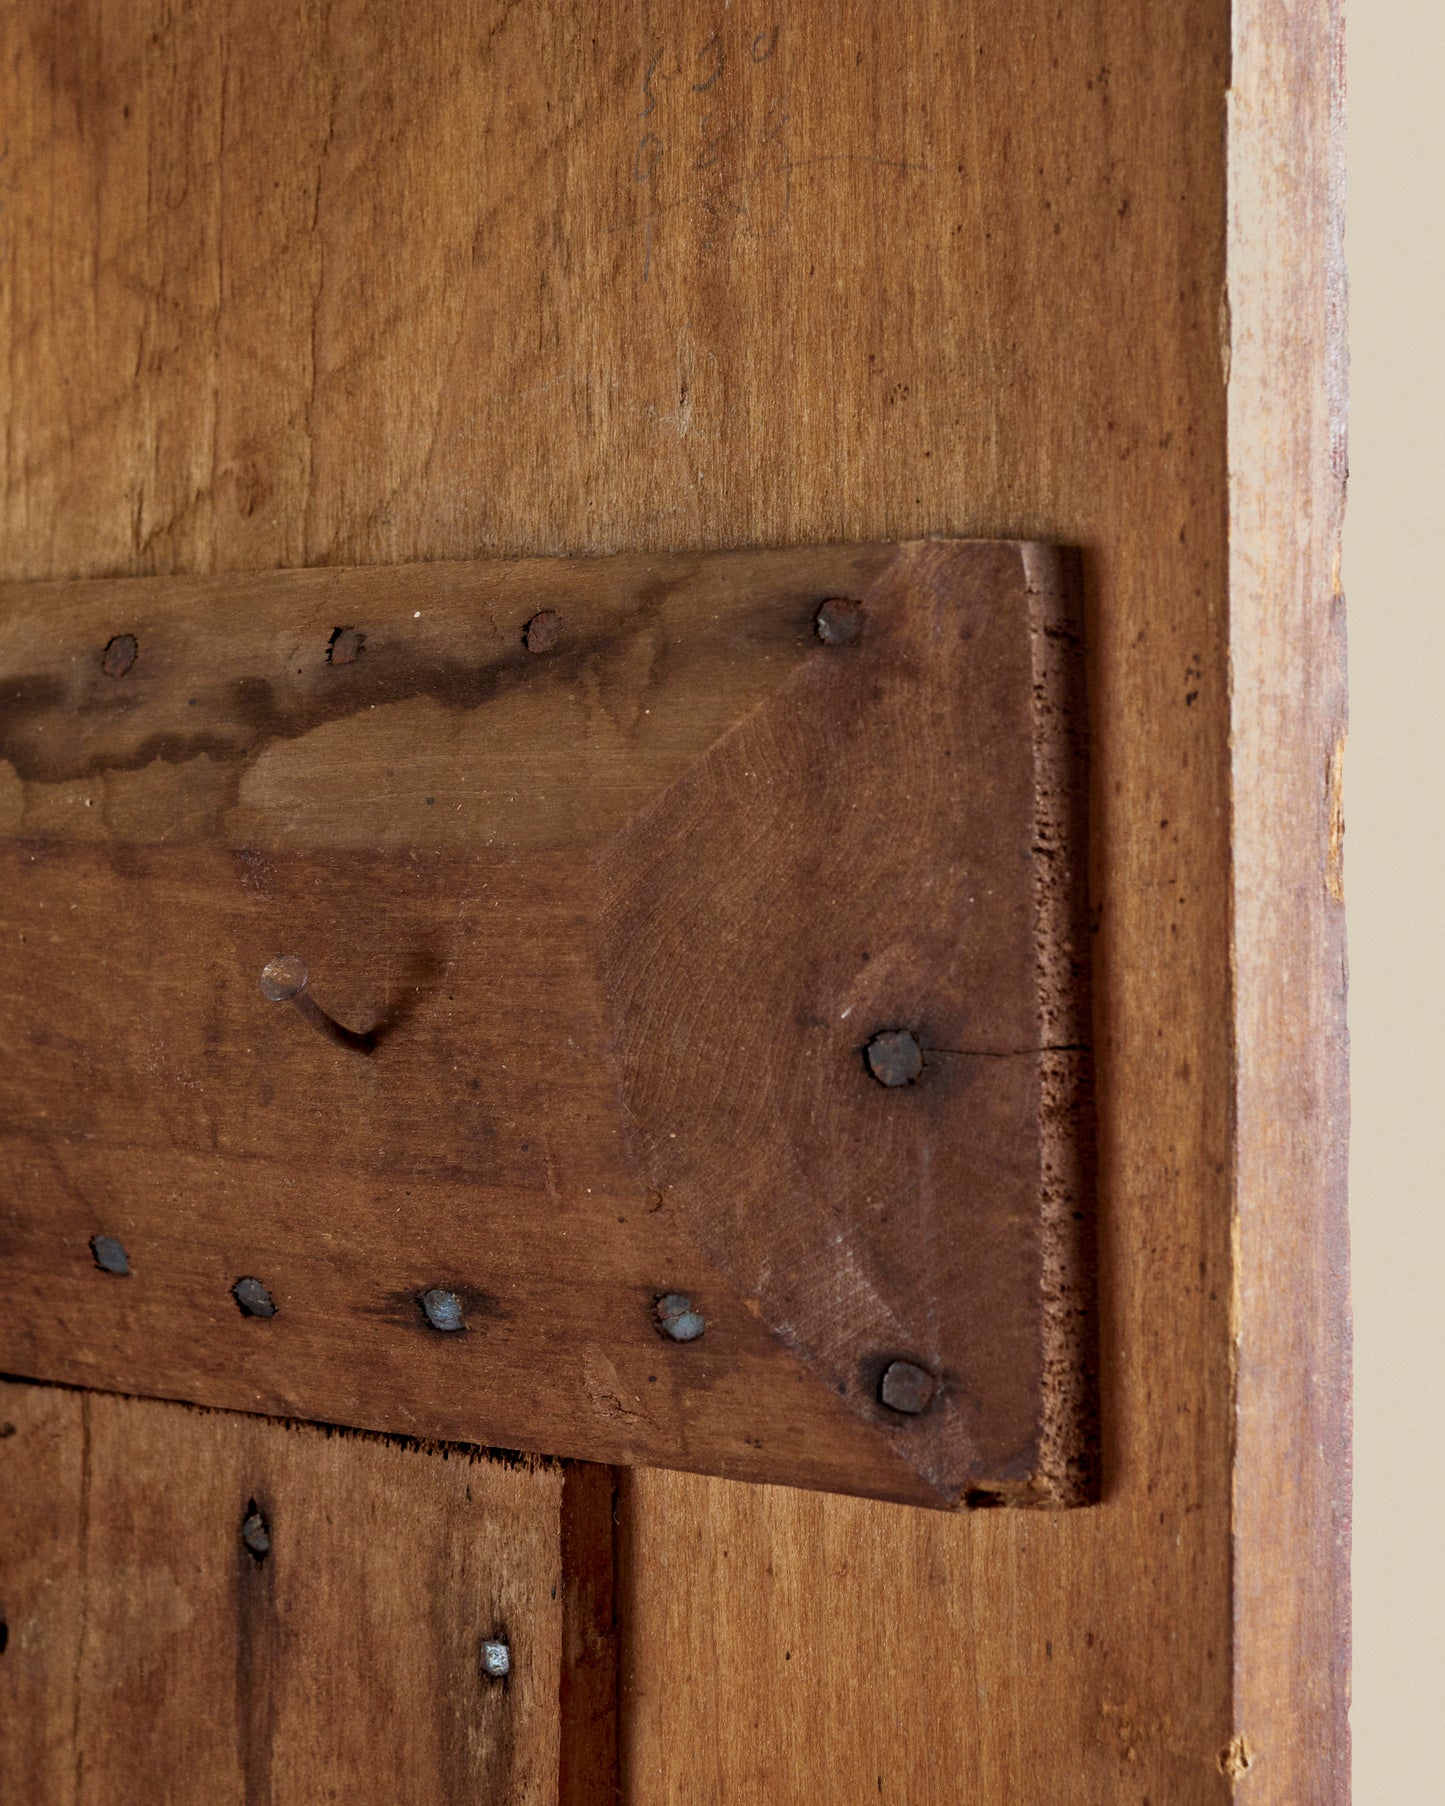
(325, 1427)
(1286, 379)
(1068, 1469)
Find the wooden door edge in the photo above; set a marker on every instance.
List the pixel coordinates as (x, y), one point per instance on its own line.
(1284, 345)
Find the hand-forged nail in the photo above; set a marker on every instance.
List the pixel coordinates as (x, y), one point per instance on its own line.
(284, 980)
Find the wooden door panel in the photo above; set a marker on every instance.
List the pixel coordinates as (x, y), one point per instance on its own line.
(203, 1607)
(293, 285)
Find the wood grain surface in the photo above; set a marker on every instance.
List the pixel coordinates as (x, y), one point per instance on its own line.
(1287, 655)
(291, 286)
(152, 1652)
(621, 923)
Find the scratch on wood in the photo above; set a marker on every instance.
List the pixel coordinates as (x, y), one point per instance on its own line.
(1236, 1758)
(1335, 783)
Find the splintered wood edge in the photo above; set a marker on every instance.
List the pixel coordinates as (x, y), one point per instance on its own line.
(1068, 1462)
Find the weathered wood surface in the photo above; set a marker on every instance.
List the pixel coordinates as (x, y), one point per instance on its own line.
(621, 921)
(292, 288)
(152, 1652)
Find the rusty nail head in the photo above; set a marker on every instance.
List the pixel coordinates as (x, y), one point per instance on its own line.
(894, 1057)
(255, 1533)
(543, 631)
(119, 655)
(496, 1659)
(442, 1309)
(838, 622)
(109, 1255)
(253, 1298)
(678, 1319)
(907, 1388)
(345, 646)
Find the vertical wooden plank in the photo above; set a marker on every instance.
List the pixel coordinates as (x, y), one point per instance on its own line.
(1287, 654)
(337, 1655)
(1032, 315)
(43, 1500)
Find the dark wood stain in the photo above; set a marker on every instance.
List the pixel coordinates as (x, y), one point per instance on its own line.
(260, 1656)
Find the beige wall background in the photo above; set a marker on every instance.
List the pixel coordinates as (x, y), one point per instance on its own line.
(1395, 854)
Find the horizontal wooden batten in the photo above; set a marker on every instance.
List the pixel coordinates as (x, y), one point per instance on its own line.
(613, 873)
